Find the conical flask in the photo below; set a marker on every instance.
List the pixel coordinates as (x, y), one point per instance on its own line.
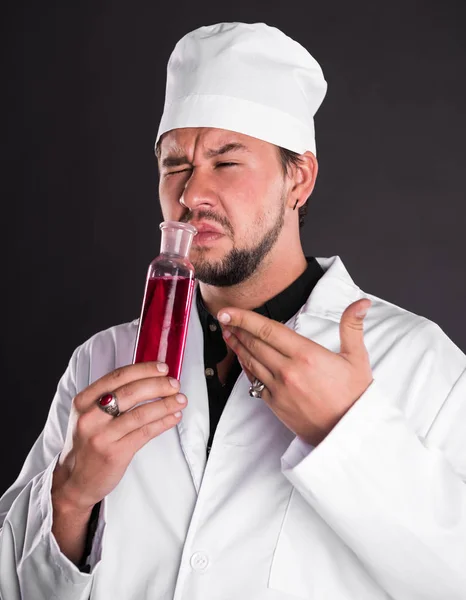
(167, 300)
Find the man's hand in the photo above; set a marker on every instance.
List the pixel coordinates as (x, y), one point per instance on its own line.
(308, 387)
(98, 448)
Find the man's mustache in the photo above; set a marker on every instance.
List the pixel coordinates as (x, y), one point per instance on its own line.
(210, 215)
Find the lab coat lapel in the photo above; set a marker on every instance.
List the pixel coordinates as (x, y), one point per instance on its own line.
(194, 426)
(248, 423)
(237, 426)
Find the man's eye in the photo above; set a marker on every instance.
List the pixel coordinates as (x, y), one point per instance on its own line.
(226, 164)
(176, 172)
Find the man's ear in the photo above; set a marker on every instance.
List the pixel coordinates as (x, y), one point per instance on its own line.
(304, 177)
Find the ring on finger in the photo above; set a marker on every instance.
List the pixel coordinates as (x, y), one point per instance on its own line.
(109, 404)
(256, 388)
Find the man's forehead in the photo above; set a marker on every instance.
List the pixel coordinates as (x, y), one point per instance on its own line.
(179, 141)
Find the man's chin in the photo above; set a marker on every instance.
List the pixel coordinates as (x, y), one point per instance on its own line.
(205, 268)
(211, 271)
(208, 257)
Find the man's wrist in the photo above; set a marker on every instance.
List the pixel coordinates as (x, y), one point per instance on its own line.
(64, 507)
(65, 499)
(69, 527)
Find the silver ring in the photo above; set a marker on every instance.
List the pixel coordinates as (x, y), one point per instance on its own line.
(109, 404)
(256, 388)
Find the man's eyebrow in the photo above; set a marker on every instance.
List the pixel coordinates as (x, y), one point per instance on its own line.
(174, 161)
(178, 160)
(233, 146)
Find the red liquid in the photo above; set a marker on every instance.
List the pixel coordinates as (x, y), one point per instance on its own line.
(164, 322)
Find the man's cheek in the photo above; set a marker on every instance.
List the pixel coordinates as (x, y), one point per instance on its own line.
(170, 203)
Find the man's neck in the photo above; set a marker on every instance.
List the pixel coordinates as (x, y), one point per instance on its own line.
(272, 277)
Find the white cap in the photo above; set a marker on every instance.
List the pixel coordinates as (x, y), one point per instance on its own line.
(248, 78)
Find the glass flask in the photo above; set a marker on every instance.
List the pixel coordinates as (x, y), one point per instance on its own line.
(167, 300)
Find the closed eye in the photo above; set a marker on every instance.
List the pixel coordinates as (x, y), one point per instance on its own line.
(225, 164)
(176, 172)
(187, 170)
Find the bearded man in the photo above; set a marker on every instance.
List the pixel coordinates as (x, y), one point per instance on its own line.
(308, 450)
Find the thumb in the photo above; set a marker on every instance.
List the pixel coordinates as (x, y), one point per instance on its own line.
(352, 328)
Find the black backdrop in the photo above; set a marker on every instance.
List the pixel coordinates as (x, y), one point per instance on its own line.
(83, 87)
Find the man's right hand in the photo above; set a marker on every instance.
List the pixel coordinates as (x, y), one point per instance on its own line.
(98, 448)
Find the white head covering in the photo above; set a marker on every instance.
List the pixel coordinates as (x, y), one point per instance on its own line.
(248, 78)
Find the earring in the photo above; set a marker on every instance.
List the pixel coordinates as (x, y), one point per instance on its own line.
(296, 204)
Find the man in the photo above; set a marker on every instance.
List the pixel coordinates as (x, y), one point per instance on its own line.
(304, 457)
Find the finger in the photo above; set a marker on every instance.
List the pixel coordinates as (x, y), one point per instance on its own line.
(142, 390)
(352, 329)
(145, 415)
(265, 354)
(117, 378)
(277, 335)
(135, 439)
(247, 372)
(250, 362)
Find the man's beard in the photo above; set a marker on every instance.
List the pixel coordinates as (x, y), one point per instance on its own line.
(239, 264)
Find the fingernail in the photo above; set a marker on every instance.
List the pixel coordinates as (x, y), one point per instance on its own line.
(177, 414)
(224, 318)
(226, 333)
(180, 398)
(162, 367)
(173, 382)
(362, 313)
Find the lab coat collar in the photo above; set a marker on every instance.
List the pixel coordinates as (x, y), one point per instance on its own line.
(333, 293)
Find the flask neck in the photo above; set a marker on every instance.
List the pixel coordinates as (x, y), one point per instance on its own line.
(176, 239)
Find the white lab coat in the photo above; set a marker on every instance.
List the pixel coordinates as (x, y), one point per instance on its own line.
(376, 511)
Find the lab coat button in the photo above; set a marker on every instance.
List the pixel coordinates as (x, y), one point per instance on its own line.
(199, 561)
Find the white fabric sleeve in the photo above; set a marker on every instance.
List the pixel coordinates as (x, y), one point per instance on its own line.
(32, 567)
(397, 500)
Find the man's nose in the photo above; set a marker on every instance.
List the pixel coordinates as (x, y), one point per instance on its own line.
(198, 193)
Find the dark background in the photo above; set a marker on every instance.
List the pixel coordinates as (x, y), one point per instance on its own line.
(83, 90)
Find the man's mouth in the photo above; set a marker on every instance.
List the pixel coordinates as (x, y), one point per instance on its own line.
(206, 233)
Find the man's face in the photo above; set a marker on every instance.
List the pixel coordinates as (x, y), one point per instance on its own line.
(231, 187)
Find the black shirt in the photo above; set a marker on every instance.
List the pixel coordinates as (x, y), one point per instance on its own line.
(279, 308)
